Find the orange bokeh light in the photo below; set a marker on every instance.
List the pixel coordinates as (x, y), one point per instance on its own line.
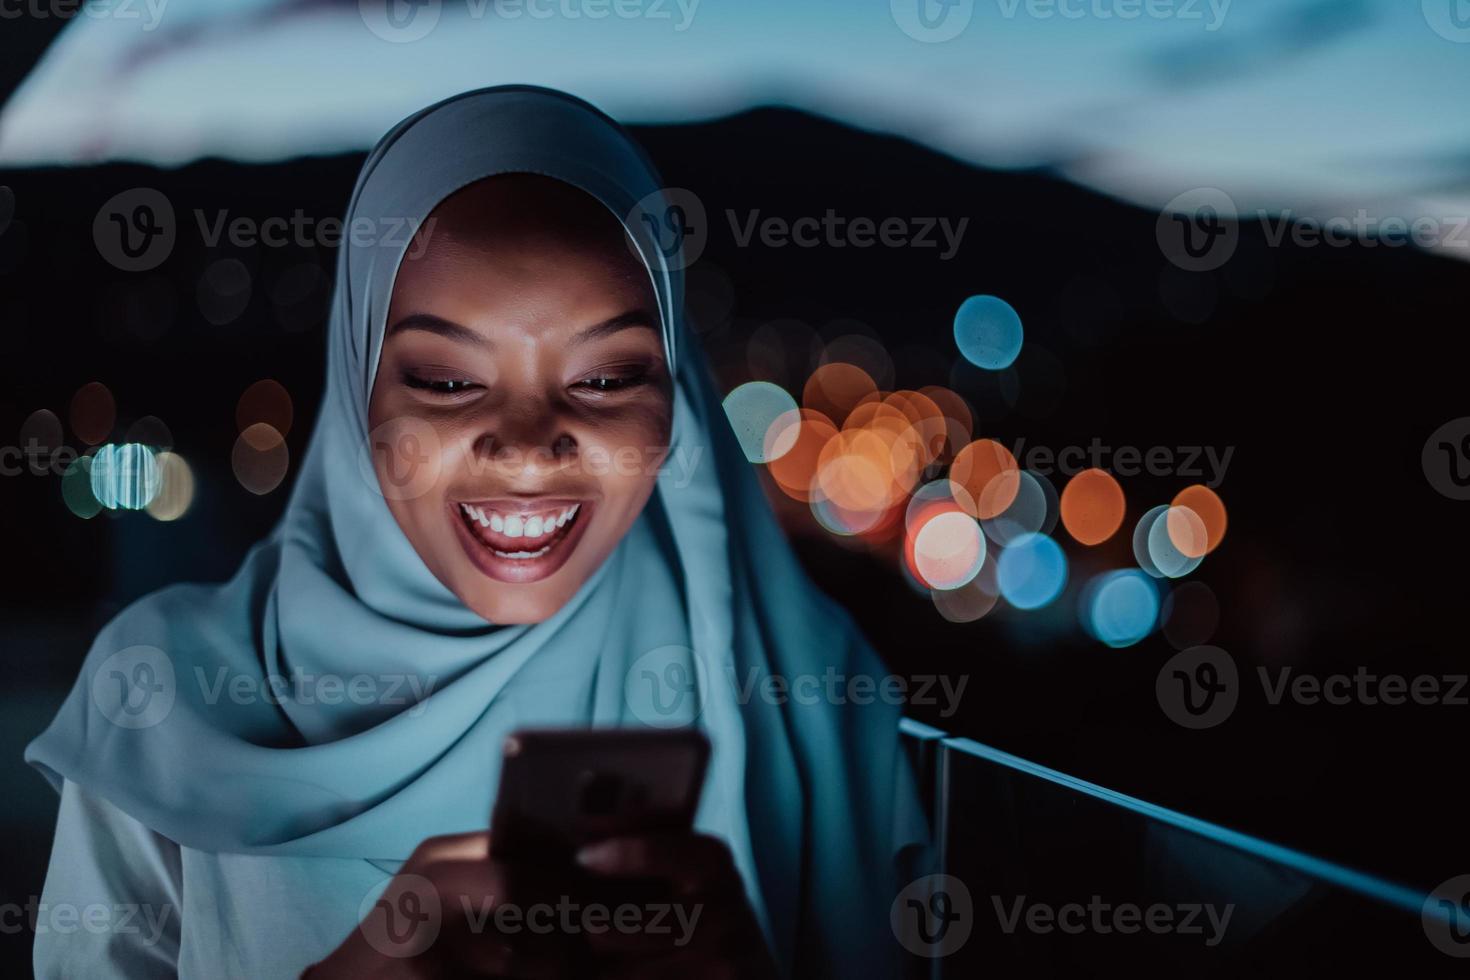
(984, 478)
(796, 469)
(836, 389)
(1093, 506)
(1210, 509)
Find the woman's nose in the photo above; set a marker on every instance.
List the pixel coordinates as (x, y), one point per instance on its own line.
(526, 440)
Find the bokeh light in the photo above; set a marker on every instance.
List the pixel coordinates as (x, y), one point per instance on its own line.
(1165, 558)
(988, 332)
(985, 478)
(867, 353)
(125, 476)
(971, 601)
(176, 488)
(1210, 509)
(753, 409)
(1032, 571)
(93, 413)
(1120, 607)
(1092, 506)
(260, 458)
(224, 290)
(76, 488)
(265, 401)
(795, 471)
(949, 550)
(1031, 512)
(836, 389)
(41, 431)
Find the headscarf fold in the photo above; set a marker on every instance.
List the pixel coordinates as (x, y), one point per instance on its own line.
(335, 699)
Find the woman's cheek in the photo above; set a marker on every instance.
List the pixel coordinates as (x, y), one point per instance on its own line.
(408, 457)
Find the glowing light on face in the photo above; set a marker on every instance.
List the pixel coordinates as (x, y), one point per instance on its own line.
(755, 409)
(1032, 571)
(124, 476)
(1120, 607)
(1092, 506)
(988, 332)
(1210, 509)
(985, 478)
(949, 550)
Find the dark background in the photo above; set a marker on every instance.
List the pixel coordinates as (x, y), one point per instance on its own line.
(1325, 368)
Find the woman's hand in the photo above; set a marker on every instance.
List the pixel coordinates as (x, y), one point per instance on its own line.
(448, 913)
(668, 905)
(709, 929)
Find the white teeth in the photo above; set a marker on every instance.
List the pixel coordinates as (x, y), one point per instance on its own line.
(523, 555)
(520, 525)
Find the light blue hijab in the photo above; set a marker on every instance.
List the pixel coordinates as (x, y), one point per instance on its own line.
(181, 718)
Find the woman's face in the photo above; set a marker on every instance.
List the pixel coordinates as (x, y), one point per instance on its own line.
(523, 372)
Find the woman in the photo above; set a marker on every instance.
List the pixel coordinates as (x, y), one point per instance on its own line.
(521, 506)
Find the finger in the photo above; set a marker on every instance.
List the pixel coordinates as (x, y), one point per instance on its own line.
(681, 964)
(452, 847)
(477, 889)
(492, 956)
(692, 864)
(662, 928)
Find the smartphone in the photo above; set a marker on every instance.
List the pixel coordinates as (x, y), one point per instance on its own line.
(563, 788)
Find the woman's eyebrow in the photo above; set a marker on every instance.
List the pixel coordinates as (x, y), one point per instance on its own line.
(623, 321)
(438, 325)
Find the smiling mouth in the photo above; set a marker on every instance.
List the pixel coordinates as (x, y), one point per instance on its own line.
(520, 541)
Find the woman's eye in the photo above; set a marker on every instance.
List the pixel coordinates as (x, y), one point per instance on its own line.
(601, 383)
(439, 386)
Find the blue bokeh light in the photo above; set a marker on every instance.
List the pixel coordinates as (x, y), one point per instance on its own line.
(1032, 571)
(1120, 607)
(988, 332)
(125, 476)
